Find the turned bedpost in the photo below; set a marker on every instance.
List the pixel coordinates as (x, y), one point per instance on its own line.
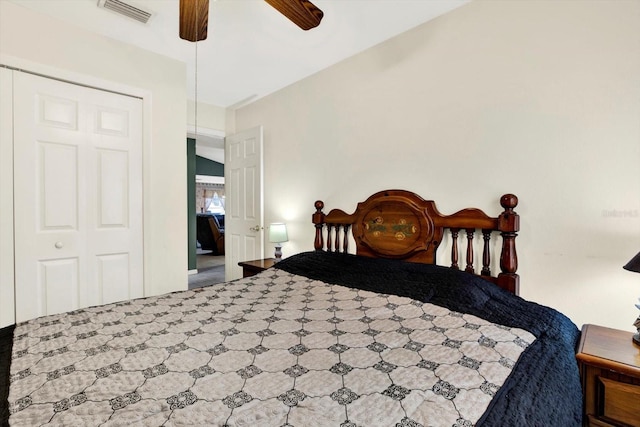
(509, 225)
(318, 220)
(345, 245)
(454, 249)
(486, 255)
(469, 268)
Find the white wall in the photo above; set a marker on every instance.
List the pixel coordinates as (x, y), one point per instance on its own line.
(39, 43)
(210, 131)
(537, 98)
(209, 116)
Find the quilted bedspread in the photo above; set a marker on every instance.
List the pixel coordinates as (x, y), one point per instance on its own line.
(322, 340)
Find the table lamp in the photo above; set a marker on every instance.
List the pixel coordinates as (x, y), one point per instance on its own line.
(634, 265)
(277, 235)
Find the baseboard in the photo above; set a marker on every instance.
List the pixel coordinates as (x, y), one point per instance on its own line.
(190, 272)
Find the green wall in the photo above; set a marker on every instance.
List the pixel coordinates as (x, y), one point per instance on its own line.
(208, 167)
(191, 202)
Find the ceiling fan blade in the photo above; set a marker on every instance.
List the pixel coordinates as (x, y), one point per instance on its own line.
(194, 19)
(303, 13)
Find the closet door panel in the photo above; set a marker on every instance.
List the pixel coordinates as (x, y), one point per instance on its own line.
(78, 196)
(7, 306)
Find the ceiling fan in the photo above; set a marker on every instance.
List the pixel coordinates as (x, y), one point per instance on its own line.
(194, 16)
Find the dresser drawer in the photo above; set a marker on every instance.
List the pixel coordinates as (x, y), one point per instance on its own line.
(609, 365)
(611, 399)
(620, 401)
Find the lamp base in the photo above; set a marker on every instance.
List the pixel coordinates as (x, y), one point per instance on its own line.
(636, 339)
(278, 254)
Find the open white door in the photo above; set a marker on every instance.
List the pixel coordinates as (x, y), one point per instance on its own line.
(243, 230)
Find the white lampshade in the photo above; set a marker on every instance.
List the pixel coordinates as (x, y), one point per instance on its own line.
(278, 232)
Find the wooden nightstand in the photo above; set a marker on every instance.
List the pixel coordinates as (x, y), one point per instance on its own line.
(609, 365)
(250, 268)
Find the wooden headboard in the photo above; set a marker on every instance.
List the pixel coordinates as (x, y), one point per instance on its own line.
(402, 225)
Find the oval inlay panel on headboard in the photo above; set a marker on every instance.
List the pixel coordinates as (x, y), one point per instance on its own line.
(394, 228)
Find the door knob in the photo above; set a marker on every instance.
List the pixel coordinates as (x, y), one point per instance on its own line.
(58, 245)
(256, 228)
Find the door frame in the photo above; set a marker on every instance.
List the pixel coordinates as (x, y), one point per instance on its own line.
(26, 66)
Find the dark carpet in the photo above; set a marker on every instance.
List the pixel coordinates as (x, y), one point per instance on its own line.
(207, 276)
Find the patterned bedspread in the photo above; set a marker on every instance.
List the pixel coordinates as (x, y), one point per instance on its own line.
(276, 349)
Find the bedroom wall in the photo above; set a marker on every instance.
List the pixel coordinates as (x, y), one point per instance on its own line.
(209, 116)
(537, 98)
(31, 40)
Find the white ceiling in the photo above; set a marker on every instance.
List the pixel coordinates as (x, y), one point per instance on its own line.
(251, 49)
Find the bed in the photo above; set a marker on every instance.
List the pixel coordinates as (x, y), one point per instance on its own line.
(379, 337)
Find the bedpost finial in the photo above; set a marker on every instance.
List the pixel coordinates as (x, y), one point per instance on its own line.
(318, 220)
(509, 201)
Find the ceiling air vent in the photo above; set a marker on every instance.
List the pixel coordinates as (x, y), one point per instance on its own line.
(125, 9)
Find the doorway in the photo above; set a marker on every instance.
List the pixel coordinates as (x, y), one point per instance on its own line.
(207, 209)
(242, 166)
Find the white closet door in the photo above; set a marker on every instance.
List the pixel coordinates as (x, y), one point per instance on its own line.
(7, 308)
(78, 196)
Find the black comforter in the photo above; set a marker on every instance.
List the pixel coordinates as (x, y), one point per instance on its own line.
(544, 388)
